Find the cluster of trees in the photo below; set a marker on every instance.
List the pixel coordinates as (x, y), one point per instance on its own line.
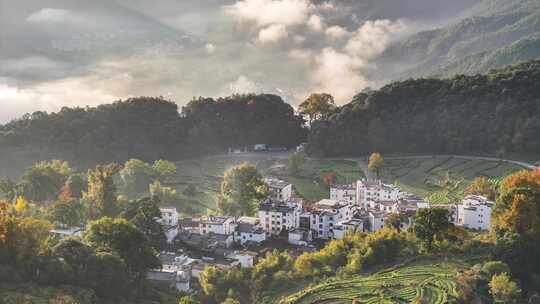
(111, 259)
(152, 128)
(491, 114)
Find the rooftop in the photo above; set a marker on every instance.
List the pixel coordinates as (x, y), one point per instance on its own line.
(219, 220)
(276, 183)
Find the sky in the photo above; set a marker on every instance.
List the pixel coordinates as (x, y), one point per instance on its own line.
(56, 53)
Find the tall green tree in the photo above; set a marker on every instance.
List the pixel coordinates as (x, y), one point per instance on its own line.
(317, 106)
(430, 223)
(503, 289)
(101, 197)
(124, 239)
(144, 214)
(242, 188)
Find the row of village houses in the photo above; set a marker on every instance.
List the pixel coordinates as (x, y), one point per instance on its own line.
(361, 206)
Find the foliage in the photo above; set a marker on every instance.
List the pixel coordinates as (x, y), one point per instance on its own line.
(164, 169)
(152, 128)
(516, 223)
(395, 220)
(69, 213)
(135, 177)
(143, 213)
(482, 186)
(431, 223)
(242, 188)
(43, 181)
(460, 115)
(101, 196)
(375, 163)
(317, 106)
(503, 289)
(124, 239)
(330, 179)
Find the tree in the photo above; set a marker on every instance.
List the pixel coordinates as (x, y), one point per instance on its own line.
(296, 162)
(482, 186)
(503, 289)
(187, 300)
(144, 214)
(136, 175)
(101, 196)
(375, 163)
(429, 223)
(74, 186)
(43, 181)
(164, 169)
(242, 188)
(317, 106)
(124, 239)
(68, 213)
(395, 220)
(8, 189)
(330, 179)
(516, 223)
(21, 204)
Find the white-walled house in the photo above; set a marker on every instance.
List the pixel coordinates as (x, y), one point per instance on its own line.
(474, 212)
(169, 216)
(244, 259)
(279, 190)
(344, 193)
(300, 237)
(348, 227)
(376, 220)
(248, 232)
(326, 214)
(276, 216)
(375, 191)
(225, 225)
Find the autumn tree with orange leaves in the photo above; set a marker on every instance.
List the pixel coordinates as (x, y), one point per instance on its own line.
(516, 224)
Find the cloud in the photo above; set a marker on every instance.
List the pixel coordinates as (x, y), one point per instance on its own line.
(51, 96)
(273, 33)
(336, 32)
(315, 23)
(50, 16)
(266, 12)
(210, 48)
(373, 37)
(339, 74)
(243, 85)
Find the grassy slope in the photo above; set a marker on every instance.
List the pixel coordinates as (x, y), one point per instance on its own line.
(428, 282)
(206, 175)
(415, 175)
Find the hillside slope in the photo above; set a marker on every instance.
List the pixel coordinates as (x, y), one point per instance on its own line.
(495, 32)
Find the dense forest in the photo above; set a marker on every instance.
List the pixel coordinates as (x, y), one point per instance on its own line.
(493, 114)
(149, 129)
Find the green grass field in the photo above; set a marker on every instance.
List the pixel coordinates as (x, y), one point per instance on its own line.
(429, 284)
(206, 175)
(418, 175)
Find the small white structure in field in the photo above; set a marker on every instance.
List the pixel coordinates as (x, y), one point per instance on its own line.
(474, 212)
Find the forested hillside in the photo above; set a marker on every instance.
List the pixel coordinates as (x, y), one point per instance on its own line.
(492, 114)
(149, 129)
(490, 35)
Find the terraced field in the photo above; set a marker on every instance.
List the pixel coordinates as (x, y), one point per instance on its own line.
(419, 175)
(433, 284)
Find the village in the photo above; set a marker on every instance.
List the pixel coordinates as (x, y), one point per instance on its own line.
(286, 222)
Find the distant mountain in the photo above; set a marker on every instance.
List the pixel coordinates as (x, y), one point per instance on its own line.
(491, 34)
